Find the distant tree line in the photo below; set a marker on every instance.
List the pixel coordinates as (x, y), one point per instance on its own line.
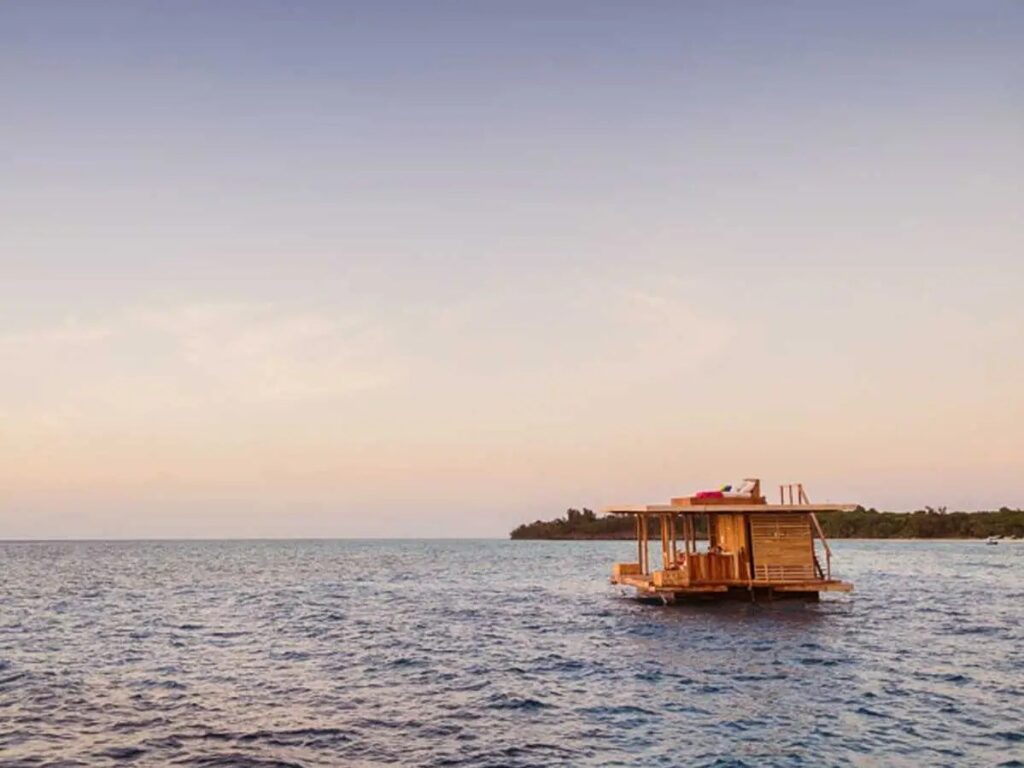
(578, 524)
(584, 524)
(861, 523)
(927, 523)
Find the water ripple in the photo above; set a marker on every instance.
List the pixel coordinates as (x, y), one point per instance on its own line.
(494, 653)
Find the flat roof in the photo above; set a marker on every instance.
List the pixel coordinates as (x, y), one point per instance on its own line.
(701, 509)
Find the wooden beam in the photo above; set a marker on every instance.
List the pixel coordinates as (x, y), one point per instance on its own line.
(815, 586)
(824, 542)
(647, 549)
(639, 543)
(703, 509)
(663, 526)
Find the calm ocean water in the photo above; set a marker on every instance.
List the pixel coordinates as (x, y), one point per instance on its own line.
(497, 653)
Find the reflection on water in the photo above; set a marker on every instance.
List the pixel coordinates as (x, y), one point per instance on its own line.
(498, 653)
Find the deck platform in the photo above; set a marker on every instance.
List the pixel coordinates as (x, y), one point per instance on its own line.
(742, 590)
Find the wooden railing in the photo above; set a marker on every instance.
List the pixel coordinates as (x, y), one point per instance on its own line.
(791, 491)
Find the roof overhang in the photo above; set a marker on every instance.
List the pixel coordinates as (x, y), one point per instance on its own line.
(703, 509)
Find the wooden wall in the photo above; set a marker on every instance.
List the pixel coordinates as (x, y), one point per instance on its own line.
(782, 546)
(730, 532)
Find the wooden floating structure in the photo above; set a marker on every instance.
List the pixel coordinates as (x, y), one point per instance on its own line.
(755, 550)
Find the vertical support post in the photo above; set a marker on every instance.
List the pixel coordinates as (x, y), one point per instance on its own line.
(639, 543)
(673, 549)
(782, 495)
(663, 525)
(690, 547)
(647, 549)
(749, 537)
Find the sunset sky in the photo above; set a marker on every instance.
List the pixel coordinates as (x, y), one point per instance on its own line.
(438, 268)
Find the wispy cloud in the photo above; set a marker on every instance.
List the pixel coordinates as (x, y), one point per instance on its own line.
(264, 353)
(670, 323)
(69, 333)
(657, 321)
(145, 358)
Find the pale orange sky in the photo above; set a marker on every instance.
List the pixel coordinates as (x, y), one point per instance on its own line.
(367, 296)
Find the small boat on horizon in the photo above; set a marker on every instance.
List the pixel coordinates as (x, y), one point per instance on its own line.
(992, 540)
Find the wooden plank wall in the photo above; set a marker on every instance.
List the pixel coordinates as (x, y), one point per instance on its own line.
(709, 567)
(730, 532)
(783, 548)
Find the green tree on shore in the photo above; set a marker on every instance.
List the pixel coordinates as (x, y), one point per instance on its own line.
(861, 523)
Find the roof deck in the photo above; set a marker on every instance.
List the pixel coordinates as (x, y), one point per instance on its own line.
(703, 509)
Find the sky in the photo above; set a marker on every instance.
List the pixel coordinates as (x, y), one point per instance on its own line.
(293, 269)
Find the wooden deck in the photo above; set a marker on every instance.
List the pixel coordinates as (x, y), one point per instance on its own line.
(645, 587)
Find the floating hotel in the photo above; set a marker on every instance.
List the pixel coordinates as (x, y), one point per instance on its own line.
(754, 550)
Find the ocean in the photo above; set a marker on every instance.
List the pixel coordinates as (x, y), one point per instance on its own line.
(498, 653)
